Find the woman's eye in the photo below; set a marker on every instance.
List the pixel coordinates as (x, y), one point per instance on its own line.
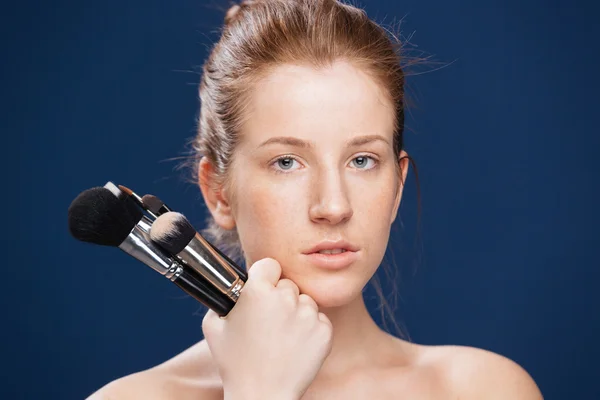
(284, 163)
(361, 161)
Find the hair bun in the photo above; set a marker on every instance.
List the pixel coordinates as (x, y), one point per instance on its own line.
(231, 13)
(234, 10)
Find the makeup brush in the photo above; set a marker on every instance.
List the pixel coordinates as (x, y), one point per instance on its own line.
(157, 207)
(97, 216)
(154, 205)
(101, 217)
(125, 190)
(174, 233)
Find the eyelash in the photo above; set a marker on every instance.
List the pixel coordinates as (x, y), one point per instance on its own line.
(289, 156)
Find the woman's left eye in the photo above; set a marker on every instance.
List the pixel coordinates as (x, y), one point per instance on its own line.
(362, 161)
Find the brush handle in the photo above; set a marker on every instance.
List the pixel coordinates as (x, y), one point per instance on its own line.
(241, 273)
(199, 288)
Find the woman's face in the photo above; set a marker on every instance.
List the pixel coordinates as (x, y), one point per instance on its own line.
(291, 194)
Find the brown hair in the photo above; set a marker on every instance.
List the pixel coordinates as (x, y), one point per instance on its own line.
(262, 34)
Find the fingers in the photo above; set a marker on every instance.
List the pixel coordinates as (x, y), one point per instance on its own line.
(307, 301)
(323, 318)
(287, 284)
(264, 270)
(289, 291)
(212, 324)
(268, 270)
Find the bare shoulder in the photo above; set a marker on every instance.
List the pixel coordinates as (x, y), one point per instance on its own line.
(475, 373)
(139, 384)
(190, 374)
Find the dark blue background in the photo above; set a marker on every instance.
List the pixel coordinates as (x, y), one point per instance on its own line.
(504, 138)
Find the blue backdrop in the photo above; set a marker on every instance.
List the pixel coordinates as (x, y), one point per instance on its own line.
(504, 137)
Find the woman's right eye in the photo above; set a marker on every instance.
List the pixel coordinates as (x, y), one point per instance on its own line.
(284, 163)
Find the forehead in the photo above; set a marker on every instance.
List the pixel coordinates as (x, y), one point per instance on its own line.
(331, 104)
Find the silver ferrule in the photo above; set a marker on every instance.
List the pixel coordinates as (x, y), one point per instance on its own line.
(114, 189)
(201, 256)
(138, 245)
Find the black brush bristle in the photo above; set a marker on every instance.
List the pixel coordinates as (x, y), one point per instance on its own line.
(172, 231)
(98, 216)
(152, 203)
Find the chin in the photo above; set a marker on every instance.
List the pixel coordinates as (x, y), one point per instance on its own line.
(331, 292)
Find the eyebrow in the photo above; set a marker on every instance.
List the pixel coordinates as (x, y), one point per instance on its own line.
(292, 141)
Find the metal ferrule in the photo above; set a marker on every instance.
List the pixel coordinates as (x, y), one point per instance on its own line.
(138, 245)
(201, 256)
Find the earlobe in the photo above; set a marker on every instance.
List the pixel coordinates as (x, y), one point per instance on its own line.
(214, 195)
(403, 160)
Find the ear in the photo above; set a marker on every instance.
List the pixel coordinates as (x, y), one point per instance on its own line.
(214, 195)
(403, 173)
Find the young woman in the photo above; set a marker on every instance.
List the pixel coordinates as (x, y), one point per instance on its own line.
(302, 166)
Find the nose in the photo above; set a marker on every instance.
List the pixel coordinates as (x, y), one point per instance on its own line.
(331, 204)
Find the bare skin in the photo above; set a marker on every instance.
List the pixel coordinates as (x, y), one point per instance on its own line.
(425, 372)
(328, 189)
(392, 369)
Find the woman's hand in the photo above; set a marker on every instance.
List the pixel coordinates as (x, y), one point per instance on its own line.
(273, 341)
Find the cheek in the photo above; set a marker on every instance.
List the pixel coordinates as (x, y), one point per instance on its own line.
(373, 206)
(271, 204)
(374, 201)
(266, 213)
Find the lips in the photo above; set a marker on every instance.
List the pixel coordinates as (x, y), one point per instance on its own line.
(341, 254)
(330, 245)
(333, 261)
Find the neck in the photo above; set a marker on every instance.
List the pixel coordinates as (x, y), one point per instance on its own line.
(357, 340)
